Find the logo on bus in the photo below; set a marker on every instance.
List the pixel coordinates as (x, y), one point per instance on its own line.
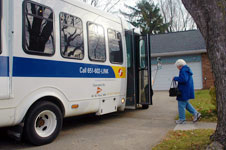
(98, 90)
(120, 72)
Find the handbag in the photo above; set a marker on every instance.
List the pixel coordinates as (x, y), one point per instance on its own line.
(174, 91)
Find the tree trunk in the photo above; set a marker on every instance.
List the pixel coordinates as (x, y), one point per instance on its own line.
(210, 17)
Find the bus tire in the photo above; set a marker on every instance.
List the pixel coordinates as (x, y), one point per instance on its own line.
(43, 123)
(145, 106)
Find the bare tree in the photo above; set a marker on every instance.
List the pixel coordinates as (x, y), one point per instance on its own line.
(91, 2)
(176, 15)
(107, 5)
(210, 17)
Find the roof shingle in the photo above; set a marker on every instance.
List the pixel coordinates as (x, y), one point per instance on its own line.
(177, 42)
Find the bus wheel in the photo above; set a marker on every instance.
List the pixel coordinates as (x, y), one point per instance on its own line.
(43, 123)
(145, 106)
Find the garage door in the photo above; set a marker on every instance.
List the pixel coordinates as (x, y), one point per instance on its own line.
(164, 76)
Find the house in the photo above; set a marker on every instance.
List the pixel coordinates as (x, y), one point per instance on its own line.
(187, 45)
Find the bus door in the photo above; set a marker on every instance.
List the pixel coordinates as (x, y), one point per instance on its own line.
(139, 90)
(4, 62)
(144, 69)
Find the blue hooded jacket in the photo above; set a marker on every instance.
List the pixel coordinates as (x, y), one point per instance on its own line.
(185, 84)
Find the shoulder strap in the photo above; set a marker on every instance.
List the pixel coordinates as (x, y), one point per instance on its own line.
(173, 83)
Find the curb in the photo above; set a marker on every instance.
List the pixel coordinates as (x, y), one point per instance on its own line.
(189, 125)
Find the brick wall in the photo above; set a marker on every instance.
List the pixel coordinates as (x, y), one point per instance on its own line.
(207, 74)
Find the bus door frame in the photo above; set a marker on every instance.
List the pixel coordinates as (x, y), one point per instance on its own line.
(133, 99)
(6, 55)
(147, 68)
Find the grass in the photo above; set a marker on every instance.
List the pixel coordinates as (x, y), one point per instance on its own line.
(192, 139)
(202, 103)
(186, 140)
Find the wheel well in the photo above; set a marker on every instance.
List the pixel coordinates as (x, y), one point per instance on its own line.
(55, 101)
(51, 99)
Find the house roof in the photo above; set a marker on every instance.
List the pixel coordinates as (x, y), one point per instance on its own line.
(177, 43)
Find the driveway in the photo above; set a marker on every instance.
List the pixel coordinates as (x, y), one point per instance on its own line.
(129, 130)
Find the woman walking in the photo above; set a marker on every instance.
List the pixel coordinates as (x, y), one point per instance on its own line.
(186, 87)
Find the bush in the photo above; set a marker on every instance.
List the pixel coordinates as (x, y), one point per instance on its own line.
(212, 93)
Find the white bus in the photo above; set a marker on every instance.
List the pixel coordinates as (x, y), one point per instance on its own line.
(62, 58)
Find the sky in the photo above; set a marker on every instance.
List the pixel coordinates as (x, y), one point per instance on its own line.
(127, 2)
(120, 5)
(181, 18)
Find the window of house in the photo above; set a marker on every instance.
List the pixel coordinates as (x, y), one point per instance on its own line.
(96, 42)
(38, 36)
(71, 35)
(115, 46)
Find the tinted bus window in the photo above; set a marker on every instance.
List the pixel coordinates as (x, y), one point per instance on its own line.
(38, 29)
(71, 36)
(115, 46)
(96, 42)
(143, 54)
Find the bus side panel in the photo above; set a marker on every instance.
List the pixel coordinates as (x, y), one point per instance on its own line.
(7, 116)
(4, 55)
(87, 92)
(27, 100)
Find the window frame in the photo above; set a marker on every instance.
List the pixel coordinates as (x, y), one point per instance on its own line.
(82, 37)
(24, 13)
(87, 26)
(119, 47)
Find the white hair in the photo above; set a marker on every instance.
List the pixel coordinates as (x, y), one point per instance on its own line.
(180, 62)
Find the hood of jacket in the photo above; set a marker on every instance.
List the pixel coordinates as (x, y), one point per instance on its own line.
(185, 68)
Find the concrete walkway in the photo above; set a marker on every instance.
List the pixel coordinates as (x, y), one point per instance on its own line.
(197, 125)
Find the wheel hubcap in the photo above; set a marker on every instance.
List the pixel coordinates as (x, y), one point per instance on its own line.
(45, 123)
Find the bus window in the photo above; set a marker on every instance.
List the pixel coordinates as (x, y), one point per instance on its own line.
(143, 55)
(115, 46)
(0, 26)
(71, 36)
(129, 49)
(38, 29)
(96, 42)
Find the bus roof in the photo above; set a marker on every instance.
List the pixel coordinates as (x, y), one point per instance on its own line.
(104, 14)
(92, 9)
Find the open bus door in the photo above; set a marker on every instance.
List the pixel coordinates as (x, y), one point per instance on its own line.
(139, 87)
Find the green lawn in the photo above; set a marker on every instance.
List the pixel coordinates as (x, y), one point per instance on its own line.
(203, 104)
(192, 139)
(186, 140)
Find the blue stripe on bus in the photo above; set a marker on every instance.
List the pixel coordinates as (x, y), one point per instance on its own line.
(4, 66)
(29, 67)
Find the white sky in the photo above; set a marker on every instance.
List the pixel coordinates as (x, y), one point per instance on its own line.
(132, 2)
(127, 2)
(179, 18)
